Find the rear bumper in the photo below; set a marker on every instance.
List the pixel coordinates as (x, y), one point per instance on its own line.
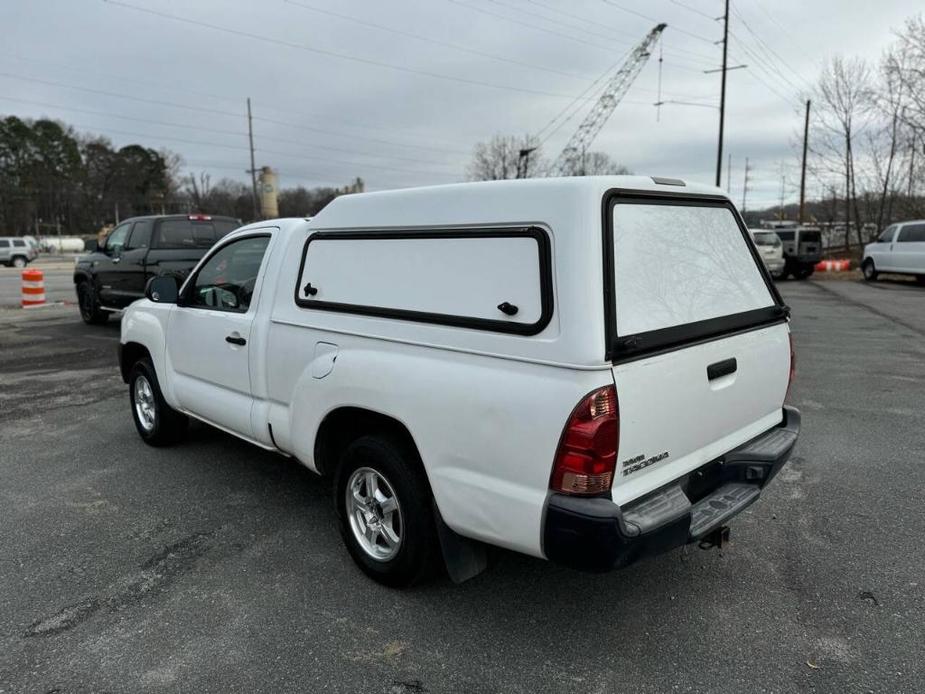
(775, 264)
(597, 535)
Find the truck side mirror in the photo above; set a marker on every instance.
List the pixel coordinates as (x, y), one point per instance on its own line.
(162, 290)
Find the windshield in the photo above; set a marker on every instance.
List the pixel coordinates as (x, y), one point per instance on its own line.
(677, 264)
(766, 238)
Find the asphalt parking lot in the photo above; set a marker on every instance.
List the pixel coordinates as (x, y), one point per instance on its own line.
(217, 567)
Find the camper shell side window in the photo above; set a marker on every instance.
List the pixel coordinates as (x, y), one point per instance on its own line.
(485, 279)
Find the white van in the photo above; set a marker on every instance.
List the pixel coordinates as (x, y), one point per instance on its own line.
(900, 248)
(589, 370)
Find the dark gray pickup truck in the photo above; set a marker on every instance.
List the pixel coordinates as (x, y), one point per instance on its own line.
(115, 274)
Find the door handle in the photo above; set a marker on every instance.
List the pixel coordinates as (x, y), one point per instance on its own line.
(236, 340)
(117, 259)
(721, 368)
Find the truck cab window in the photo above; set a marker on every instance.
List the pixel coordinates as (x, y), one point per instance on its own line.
(226, 281)
(141, 234)
(115, 242)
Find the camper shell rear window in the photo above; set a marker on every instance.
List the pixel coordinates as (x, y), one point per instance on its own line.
(485, 279)
(679, 269)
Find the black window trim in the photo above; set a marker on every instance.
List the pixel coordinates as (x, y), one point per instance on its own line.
(189, 285)
(624, 348)
(544, 254)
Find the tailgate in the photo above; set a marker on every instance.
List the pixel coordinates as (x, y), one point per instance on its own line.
(699, 337)
(674, 417)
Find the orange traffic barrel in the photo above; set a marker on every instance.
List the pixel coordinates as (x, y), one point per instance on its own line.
(33, 288)
(833, 266)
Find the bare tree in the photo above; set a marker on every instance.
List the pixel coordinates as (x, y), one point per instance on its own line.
(845, 102)
(600, 164)
(199, 191)
(500, 158)
(883, 141)
(911, 70)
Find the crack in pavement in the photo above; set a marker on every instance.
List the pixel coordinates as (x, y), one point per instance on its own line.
(155, 573)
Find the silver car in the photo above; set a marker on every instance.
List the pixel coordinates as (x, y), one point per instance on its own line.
(16, 252)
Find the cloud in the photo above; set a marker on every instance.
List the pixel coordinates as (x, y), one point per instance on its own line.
(400, 93)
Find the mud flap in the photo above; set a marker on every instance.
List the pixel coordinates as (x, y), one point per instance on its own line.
(464, 558)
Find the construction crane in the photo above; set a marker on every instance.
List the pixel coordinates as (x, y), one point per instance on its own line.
(569, 161)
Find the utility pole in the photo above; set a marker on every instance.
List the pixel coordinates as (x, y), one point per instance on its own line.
(803, 168)
(253, 169)
(744, 187)
(780, 209)
(523, 162)
(912, 166)
(722, 97)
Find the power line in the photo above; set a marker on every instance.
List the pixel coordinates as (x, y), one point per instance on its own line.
(278, 153)
(693, 9)
(199, 93)
(428, 39)
(335, 54)
(785, 31)
(236, 133)
(653, 19)
(608, 37)
(769, 49)
(759, 63)
(203, 109)
(582, 41)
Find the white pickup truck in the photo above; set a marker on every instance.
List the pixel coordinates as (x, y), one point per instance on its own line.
(589, 370)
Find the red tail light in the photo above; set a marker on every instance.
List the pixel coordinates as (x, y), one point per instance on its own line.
(200, 218)
(587, 452)
(793, 365)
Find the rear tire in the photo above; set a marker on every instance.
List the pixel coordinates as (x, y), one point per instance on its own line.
(920, 280)
(19, 262)
(803, 272)
(157, 423)
(90, 310)
(384, 505)
(780, 275)
(869, 271)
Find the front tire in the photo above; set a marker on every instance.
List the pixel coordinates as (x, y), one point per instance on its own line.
(869, 271)
(384, 505)
(157, 423)
(90, 310)
(19, 262)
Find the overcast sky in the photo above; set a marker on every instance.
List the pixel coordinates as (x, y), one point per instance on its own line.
(399, 91)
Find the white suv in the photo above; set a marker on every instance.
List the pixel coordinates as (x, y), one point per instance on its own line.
(771, 249)
(900, 248)
(589, 370)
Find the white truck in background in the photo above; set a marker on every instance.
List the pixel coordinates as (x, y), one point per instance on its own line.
(589, 370)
